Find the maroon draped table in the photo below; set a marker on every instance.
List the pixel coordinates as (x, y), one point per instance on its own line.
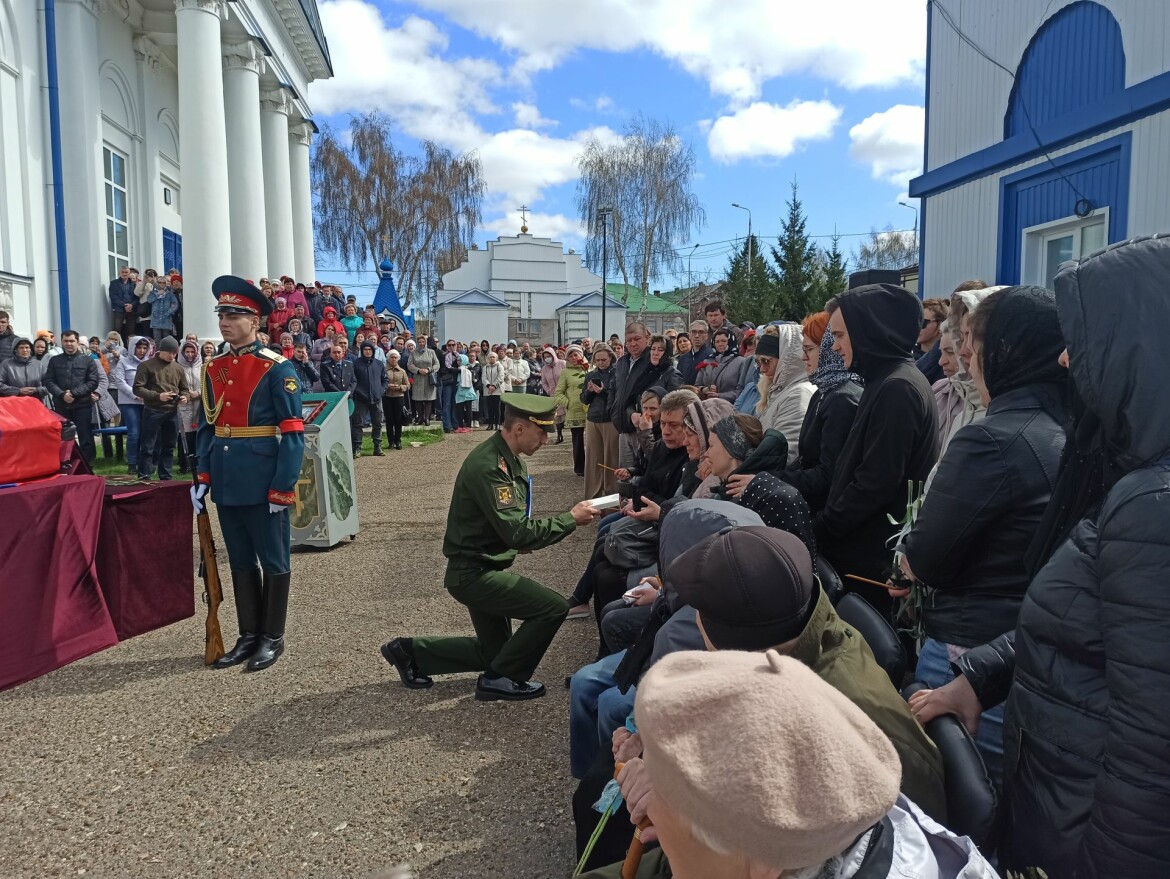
(84, 564)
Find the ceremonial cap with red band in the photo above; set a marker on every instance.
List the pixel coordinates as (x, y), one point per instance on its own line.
(235, 295)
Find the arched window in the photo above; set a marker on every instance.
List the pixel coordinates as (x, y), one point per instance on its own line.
(1075, 59)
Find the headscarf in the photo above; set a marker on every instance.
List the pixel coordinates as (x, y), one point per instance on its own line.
(831, 371)
(702, 415)
(733, 439)
(1023, 342)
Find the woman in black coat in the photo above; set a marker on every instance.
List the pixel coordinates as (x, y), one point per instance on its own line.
(990, 490)
(1087, 673)
(829, 416)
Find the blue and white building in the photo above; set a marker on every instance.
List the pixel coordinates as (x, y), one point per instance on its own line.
(1047, 135)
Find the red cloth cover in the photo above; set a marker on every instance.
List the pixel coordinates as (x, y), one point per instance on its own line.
(51, 609)
(145, 558)
(30, 440)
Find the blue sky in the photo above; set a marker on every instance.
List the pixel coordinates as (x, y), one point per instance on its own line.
(828, 93)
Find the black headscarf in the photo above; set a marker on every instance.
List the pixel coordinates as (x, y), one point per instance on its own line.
(1023, 341)
(883, 321)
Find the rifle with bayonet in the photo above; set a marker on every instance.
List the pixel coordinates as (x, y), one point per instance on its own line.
(208, 568)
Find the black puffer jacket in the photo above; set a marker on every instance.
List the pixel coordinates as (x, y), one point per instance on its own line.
(987, 498)
(1086, 734)
(893, 441)
(826, 426)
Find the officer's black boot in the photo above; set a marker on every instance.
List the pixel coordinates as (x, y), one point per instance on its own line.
(275, 610)
(246, 587)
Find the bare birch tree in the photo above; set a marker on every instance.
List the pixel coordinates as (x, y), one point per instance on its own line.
(373, 200)
(646, 179)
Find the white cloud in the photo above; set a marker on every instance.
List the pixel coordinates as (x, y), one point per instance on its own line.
(600, 104)
(402, 72)
(890, 142)
(528, 116)
(767, 130)
(734, 47)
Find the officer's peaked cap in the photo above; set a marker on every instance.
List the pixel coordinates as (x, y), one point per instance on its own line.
(235, 295)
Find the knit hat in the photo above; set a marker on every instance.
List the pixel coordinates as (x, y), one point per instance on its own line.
(768, 346)
(753, 587)
(573, 348)
(176, 278)
(169, 343)
(733, 439)
(769, 760)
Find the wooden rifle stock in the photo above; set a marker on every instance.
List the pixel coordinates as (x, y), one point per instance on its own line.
(208, 568)
(212, 590)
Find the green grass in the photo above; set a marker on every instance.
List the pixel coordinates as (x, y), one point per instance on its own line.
(103, 466)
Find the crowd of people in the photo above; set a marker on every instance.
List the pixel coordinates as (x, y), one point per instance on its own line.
(987, 472)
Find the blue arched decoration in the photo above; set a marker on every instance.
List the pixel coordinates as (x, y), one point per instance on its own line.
(386, 297)
(1075, 59)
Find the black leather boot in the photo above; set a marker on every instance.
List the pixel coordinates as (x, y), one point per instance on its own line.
(275, 609)
(246, 586)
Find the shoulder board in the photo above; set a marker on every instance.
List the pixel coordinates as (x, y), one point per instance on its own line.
(219, 357)
(271, 355)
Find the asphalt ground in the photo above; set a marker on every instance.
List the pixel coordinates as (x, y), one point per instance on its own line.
(140, 762)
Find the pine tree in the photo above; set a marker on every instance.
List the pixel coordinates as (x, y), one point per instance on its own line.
(834, 277)
(753, 298)
(796, 258)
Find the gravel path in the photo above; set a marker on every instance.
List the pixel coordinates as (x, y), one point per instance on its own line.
(139, 762)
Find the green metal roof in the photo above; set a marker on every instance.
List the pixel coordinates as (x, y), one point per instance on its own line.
(634, 300)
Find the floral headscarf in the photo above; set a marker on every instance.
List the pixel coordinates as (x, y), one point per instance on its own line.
(831, 370)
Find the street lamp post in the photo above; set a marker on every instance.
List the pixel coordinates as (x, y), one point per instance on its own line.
(603, 214)
(913, 208)
(749, 243)
(690, 282)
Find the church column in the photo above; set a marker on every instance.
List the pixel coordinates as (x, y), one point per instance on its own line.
(241, 87)
(300, 137)
(203, 160)
(81, 169)
(274, 109)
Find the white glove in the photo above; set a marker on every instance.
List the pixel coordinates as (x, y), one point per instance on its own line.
(197, 493)
(276, 508)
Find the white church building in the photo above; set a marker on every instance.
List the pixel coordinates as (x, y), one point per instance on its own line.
(154, 134)
(524, 288)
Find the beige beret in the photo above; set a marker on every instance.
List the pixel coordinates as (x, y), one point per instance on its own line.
(763, 757)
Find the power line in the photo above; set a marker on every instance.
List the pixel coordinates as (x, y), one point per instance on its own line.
(979, 50)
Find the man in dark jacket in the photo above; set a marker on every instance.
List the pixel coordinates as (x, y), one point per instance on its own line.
(303, 367)
(449, 363)
(72, 380)
(632, 375)
(337, 374)
(7, 337)
(161, 384)
(701, 349)
(894, 438)
(123, 304)
(370, 384)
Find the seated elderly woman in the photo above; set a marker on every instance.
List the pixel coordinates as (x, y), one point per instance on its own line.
(755, 768)
(989, 492)
(785, 391)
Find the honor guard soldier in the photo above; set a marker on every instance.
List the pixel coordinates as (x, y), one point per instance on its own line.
(489, 522)
(250, 443)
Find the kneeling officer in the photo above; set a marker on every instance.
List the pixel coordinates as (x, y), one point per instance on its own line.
(489, 521)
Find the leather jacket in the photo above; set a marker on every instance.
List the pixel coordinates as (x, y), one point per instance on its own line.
(980, 514)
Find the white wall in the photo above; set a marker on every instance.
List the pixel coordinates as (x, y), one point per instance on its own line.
(467, 322)
(969, 96)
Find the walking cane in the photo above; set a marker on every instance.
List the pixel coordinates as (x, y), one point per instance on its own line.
(634, 852)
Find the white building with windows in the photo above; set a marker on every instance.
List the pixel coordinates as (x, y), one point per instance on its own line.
(184, 143)
(524, 288)
(1047, 135)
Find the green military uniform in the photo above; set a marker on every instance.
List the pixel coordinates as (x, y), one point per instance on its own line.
(489, 522)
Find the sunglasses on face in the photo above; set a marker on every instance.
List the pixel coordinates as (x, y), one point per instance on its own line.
(927, 321)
